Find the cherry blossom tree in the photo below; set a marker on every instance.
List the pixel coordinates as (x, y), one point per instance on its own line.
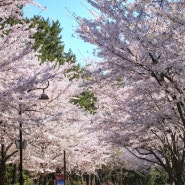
(84, 151)
(14, 46)
(64, 127)
(48, 126)
(141, 77)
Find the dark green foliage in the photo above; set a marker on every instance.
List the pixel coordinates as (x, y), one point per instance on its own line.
(86, 100)
(118, 175)
(12, 176)
(10, 21)
(76, 72)
(76, 69)
(135, 178)
(49, 39)
(151, 177)
(74, 179)
(27, 180)
(9, 173)
(156, 177)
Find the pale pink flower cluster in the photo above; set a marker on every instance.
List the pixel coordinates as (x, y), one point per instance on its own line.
(49, 126)
(142, 74)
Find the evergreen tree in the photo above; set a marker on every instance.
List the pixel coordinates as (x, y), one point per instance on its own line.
(48, 37)
(86, 100)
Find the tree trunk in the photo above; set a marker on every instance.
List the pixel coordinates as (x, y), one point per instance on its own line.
(15, 174)
(2, 166)
(42, 179)
(81, 179)
(93, 181)
(87, 179)
(179, 182)
(2, 173)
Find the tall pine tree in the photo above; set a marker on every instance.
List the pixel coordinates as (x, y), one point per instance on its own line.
(48, 37)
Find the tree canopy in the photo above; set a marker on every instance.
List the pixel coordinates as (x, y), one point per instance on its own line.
(23, 79)
(141, 43)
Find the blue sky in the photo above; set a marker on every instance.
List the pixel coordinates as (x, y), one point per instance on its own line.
(61, 10)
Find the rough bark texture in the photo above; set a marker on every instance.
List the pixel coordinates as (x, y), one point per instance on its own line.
(2, 174)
